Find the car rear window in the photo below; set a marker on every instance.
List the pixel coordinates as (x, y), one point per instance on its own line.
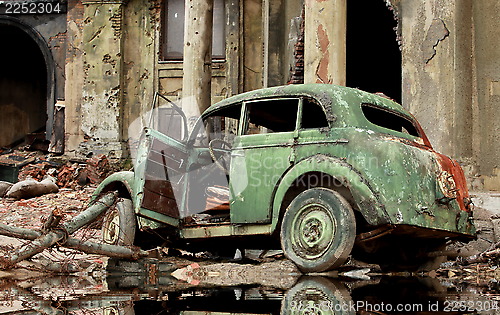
(389, 120)
(313, 115)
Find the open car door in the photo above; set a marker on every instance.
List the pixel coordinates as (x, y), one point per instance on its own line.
(163, 171)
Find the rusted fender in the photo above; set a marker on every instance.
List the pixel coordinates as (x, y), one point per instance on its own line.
(124, 178)
(365, 197)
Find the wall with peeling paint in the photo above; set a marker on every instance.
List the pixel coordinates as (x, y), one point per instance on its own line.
(111, 64)
(430, 80)
(451, 65)
(487, 82)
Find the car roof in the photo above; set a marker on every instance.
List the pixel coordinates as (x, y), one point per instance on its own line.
(333, 98)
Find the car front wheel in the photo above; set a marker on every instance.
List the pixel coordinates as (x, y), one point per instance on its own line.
(119, 224)
(318, 230)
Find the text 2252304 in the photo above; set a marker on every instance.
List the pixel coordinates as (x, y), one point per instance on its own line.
(32, 7)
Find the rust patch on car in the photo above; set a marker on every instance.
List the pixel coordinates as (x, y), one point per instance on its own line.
(452, 182)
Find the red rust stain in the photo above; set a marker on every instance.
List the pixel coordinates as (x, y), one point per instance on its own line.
(452, 167)
(322, 68)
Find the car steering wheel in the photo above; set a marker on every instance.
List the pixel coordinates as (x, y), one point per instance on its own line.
(221, 155)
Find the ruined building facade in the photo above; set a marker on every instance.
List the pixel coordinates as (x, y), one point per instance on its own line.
(85, 73)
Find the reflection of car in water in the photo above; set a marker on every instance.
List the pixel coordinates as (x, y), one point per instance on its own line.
(317, 167)
(310, 295)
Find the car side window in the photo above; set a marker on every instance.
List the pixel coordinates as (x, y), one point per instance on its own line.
(221, 125)
(389, 120)
(269, 116)
(313, 115)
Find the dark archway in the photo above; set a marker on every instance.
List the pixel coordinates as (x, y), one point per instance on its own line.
(26, 83)
(373, 55)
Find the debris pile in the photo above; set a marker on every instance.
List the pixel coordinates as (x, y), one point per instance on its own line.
(69, 175)
(38, 176)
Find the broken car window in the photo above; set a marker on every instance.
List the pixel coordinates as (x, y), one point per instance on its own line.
(168, 118)
(313, 115)
(221, 125)
(389, 120)
(268, 116)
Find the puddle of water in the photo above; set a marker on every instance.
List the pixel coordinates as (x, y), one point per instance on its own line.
(309, 295)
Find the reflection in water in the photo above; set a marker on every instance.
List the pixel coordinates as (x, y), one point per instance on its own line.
(309, 295)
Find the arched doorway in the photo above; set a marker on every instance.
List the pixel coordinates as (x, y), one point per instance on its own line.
(373, 55)
(26, 83)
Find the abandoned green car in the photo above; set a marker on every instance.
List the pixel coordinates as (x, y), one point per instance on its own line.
(317, 169)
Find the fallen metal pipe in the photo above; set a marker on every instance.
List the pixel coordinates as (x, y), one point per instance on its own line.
(114, 251)
(44, 241)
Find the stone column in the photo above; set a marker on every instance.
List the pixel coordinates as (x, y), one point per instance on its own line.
(324, 41)
(101, 108)
(197, 65)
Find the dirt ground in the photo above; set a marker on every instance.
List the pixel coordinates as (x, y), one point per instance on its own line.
(28, 213)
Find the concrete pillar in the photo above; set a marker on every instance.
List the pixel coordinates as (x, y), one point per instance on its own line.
(324, 41)
(197, 65)
(437, 72)
(101, 107)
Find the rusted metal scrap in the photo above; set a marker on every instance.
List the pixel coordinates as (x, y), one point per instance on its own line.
(60, 234)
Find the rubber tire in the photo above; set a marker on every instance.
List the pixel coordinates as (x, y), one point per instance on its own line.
(119, 225)
(335, 216)
(317, 295)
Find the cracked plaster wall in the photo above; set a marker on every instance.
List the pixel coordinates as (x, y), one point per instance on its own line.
(487, 104)
(111, 62)
(102, 72)
(437, 72)
(430, 80)
(450, 65)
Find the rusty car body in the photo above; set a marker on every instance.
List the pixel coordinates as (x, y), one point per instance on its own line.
(319, 167)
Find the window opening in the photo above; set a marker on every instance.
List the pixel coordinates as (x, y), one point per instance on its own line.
(365, 65)
(168, 118)
(173, 30)
(389, 120)
(313, 115)
(222, 125)
(270, 116)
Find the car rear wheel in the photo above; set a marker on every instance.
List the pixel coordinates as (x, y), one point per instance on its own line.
(119, 225)
(317, 295)
(318, 230)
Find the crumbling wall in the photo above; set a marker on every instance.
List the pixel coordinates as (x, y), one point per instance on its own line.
(75, 79)
(451, 69)
(432, 86)
(103, 72)
(486, 106)
(141, 23)
(95, 62)
(253, 59)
